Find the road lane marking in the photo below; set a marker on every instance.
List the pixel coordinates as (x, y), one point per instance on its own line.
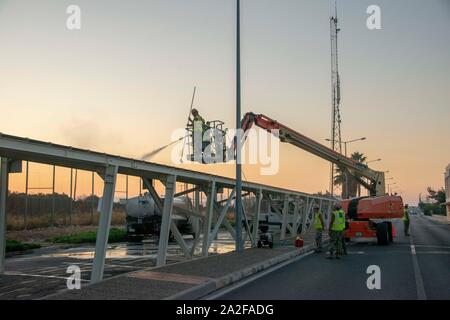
(356, 252)
(434, 252)
(435, 225)
(37, 276)
(421, 295)
(421, 246)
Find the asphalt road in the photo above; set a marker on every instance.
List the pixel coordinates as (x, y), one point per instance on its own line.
(415, 267)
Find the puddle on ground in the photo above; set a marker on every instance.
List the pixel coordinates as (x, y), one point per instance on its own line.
(147, 249)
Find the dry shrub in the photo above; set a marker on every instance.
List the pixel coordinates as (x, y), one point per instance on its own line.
(16, 222)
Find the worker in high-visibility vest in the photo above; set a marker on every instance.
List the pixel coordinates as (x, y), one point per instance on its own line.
(319, 225)
(336, 228)
(406, 220)
(199, 128)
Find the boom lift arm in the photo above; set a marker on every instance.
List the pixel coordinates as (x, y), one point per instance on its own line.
(375, 181)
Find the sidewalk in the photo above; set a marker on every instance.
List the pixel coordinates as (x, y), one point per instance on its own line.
(439, 218)
(188, 280)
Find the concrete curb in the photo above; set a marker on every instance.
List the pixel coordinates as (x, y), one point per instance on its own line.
(216, 284)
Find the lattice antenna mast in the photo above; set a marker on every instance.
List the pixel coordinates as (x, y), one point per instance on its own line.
(336, 142)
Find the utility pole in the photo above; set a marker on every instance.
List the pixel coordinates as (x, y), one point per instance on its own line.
(336, 142)
(238, 204)
(92, 197)
(25, 223)
(75, 186)
(71, 194)
(126, 188)
(53, 197)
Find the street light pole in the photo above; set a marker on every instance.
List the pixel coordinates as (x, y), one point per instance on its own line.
(345, 152)
(238, 204)
(346, 174)
(373, 161)
(389, 187)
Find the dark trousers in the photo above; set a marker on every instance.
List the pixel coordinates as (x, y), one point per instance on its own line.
(344, 245)
(406, 227)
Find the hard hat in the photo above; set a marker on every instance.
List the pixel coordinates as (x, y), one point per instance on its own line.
(316, 207)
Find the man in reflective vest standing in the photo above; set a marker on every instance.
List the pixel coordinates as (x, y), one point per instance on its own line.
(336, 228)
(406, 220)
(319, 225)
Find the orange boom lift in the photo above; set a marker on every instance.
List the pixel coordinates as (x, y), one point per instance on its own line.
(368, 217)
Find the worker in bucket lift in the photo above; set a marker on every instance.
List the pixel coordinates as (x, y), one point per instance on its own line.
(406, 220)
(199, 128)
(319, 225)
(336, 229)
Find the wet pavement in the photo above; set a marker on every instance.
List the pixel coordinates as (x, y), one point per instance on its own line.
(44, 272)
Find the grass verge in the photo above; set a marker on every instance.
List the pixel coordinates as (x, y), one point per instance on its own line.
(115, 235)
(13, 245)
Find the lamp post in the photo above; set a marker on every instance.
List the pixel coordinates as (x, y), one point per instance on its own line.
(238, 204)
(389, 186)
(347, 142)
(373, 161)
(345, 152)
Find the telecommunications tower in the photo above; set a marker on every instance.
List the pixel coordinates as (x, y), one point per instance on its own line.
(336, 142)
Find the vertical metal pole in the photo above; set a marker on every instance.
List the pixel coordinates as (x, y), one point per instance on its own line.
(52, 222)
(196, 224)
(284, 221)
(256, 217)
(238, 205)
(71, 194)
(92, 198)
(208, 218)
(196, 221)
(101, 244)
(304, 215)
(25, 214)
(126, 189)
(75, 186)
(3, 197)
(166, 219)
(295, 221)
(346, 194)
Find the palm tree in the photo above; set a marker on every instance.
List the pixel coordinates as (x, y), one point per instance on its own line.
(360, 157)
(352, 184)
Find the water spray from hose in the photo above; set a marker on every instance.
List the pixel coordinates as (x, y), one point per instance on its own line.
(153, 153)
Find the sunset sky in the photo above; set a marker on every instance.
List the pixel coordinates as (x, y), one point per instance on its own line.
(123, 83)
